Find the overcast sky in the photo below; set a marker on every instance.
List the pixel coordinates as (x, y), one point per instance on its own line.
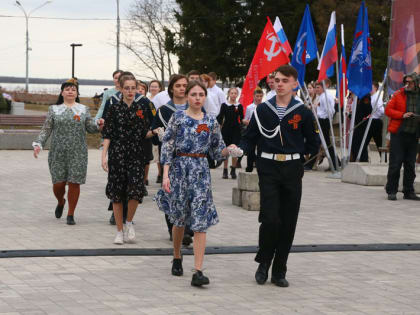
(50, 39)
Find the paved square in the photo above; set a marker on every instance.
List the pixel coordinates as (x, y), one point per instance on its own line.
(321, 283)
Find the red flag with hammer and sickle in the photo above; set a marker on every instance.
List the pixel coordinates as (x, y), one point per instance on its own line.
(268, 57)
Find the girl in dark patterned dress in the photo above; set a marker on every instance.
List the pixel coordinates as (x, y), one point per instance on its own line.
(230, 118)
(127, 124)
(186, 195)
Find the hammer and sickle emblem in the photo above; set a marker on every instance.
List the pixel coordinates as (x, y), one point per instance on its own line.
(272, 52)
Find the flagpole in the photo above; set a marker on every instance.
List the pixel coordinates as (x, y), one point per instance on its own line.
(331, 126)
(353, 117)
(340, 125)
(344, 153)
(321, 134)
(374, 109)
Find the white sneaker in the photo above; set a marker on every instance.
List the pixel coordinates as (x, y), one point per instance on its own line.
(125, 233)
(119, 239)
(131, 234)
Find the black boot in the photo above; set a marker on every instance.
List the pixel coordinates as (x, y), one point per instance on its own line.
(225, 173)
(233, 172)
(261, 275)
(70, 220)
(177, 267)
(198, 279)
(59, 210)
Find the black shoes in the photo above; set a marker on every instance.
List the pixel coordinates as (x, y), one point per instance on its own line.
(70, 220)
(59, 210)
(261, 275)
(112, 219)
(249, 169)
(198, 279)
(280, 282)
(307, 168)
(159, 180)
(411, 196)
(187, 240)
(177, 267)
(392, 196)
(225, 173)
(146, 182)
(233, 172)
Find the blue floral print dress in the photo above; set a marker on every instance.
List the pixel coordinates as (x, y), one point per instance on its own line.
(190, 200)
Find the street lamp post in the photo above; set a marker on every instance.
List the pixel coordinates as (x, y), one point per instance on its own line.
(118, 34)
(27, 16)
(72, 57)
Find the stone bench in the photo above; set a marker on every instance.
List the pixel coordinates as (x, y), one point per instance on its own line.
(247, 194)
(19, 139)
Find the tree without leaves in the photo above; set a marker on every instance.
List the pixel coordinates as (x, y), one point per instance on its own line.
(145, 35)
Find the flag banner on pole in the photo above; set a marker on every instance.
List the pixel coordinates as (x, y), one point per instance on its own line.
(268, 57)
(404, 48)
(329, 54)
(343, 71)
(282, 36)
(305, 47)
(359, 72)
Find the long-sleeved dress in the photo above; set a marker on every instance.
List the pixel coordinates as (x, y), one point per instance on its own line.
(230, 117)
(68, 155)
(190, 200)
(126, 127)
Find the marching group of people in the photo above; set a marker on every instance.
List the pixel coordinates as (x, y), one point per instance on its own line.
(194, 127)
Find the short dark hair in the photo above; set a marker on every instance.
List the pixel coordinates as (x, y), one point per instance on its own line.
(375, 84)
(193, 72)
(213, 75)
(116, 71)
(194, 83)
(159, 83)
(258, 91)
(288, 71)
(172, 81)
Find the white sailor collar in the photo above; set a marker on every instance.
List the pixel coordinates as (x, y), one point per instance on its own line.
(230, 104)
(77, 109)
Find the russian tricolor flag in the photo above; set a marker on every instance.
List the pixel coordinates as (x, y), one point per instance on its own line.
(329, 53)
(343, 70)
(282, 36)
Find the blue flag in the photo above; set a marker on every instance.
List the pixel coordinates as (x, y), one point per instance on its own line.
(305, 47)
(359, 72)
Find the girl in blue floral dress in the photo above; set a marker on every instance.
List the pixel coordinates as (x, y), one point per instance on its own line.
(186, 195)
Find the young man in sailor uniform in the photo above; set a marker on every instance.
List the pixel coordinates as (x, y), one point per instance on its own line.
(283, 130)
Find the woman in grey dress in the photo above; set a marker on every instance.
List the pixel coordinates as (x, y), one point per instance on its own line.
(67, 124)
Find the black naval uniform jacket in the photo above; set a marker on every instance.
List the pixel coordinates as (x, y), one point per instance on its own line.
(298, 130)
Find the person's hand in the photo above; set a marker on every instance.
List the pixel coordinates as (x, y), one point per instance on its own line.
(166, 184)
(234, 151)
(105, 164)
(408, 114)
(37, 149)
(101, 123)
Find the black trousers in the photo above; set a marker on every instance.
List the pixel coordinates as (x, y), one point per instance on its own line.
(250, 159)
(375, 132)
(357, 142)
(325, 127)
(281, 190)
(403, 151)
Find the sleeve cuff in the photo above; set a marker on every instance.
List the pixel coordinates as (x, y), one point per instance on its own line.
(36, 144)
